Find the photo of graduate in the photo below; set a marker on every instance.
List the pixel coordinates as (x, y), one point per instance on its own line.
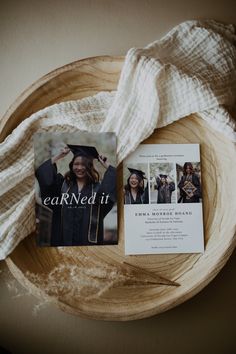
(135, 184)
(162, 183)
(189, 182)
(77, 203)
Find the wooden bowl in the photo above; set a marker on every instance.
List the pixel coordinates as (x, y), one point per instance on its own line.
(32, 265)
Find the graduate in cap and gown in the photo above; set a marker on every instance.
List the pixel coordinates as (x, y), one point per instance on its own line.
(79, 201)
(189, 177)
(165, 186)
(134, 190)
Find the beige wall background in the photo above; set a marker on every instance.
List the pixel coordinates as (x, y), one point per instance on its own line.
(35, 38)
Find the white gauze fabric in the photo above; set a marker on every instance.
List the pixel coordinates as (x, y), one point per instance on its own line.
(190, 70)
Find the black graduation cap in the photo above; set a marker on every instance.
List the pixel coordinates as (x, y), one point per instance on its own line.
(82, 150)
(163, 176)
(137, 172)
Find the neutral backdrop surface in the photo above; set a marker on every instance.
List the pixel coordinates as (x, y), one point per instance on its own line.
(35, 38)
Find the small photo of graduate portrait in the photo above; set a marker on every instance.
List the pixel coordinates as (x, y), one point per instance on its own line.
(75, 189)
(136, 184)
(162, 183)
(189, 182)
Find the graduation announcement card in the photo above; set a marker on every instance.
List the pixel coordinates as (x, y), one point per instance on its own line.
(75, 179)
(163, 200)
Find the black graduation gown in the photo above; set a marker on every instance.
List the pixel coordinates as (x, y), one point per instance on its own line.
(138, 199)
(197, 194)
(141, 198)
(76, 224)
(164, 192)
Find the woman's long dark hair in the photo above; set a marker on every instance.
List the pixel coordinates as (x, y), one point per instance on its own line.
(91, 173)
(128, 188)
(162, 183)
(188, 164)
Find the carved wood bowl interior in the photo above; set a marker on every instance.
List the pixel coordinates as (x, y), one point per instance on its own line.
(88, 280)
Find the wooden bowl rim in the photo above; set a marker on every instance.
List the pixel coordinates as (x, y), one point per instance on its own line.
(18, 274)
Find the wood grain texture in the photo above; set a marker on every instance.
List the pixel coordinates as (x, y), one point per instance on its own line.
(113, 292)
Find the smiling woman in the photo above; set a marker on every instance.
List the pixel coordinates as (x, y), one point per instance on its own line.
(78, 201)
(134, 191)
